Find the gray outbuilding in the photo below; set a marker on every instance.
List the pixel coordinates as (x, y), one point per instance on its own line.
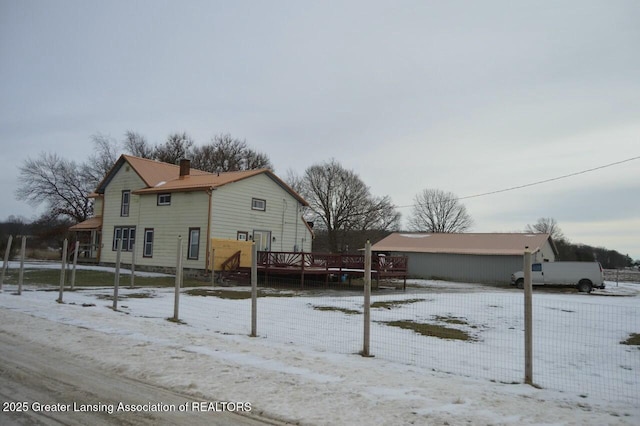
(467, 257)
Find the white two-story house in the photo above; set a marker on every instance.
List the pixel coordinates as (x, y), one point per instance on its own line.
(147, 205)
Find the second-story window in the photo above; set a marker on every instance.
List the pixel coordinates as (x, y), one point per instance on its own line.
(258, 204)
(164, 199)
(124, 205)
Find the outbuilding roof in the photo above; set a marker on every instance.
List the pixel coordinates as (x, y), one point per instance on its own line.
(462, 243)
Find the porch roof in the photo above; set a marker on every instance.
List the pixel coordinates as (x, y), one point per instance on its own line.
(90, 224)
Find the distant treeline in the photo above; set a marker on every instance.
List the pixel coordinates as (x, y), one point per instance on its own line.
(45, 234)
(609, 259)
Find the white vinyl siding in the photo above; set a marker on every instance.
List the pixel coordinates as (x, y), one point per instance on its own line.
(231, 213)
(97, 206)
(187, 210)
(125, 179)
(545, 254)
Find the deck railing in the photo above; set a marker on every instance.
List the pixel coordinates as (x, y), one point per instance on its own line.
(329, 262)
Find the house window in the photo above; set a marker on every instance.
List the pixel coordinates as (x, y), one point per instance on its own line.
(148, 243)
(164, 199)
(124, 204)
(242, 236)
(128, 236)
(258, 204)
(194, 243)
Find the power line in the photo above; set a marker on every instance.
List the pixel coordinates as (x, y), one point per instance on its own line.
(550, 180)
(513, 188)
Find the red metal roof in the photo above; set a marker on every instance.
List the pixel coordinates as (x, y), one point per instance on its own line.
(198, 182)
(165, 177)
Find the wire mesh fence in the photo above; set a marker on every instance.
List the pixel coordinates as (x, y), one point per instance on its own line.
(325, 316)
(470, 333)
(583, 344)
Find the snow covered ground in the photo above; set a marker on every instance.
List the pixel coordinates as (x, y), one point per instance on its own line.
(303, 367)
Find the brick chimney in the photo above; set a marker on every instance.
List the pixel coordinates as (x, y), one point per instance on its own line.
(185, 168)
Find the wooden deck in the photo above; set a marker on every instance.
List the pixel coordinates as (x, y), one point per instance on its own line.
(325, 265)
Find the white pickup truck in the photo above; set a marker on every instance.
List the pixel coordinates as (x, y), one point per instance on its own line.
(585, 276)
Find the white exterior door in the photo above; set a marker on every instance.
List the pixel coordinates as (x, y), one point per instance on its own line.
(262, 240)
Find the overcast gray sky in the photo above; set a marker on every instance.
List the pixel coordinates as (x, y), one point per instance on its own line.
(464, 96)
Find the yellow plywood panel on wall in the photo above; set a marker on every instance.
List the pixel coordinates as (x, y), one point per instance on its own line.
(225, 248)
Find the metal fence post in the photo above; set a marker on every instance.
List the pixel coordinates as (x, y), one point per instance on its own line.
(528, 319)
(116, 279)
(254, 290)
(23, 249)
(367, 300)
(6, 260)
(75, 263)
(176, 301)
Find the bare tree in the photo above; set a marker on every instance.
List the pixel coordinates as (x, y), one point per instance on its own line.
(137, 145)
(177, 147)
(342, 202)
(381, 215)
(64, 185)
(256, 160)
(295, 181)
(547, 225)
(205, 158)
(227, 154)
(105, 153)
(59, 184)
(435, 210)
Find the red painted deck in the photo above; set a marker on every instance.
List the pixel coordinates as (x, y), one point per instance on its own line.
(324, 264)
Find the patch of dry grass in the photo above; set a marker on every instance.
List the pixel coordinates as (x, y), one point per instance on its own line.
(633, 340)
(336, 309)
(432, 330)
(389, 304)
